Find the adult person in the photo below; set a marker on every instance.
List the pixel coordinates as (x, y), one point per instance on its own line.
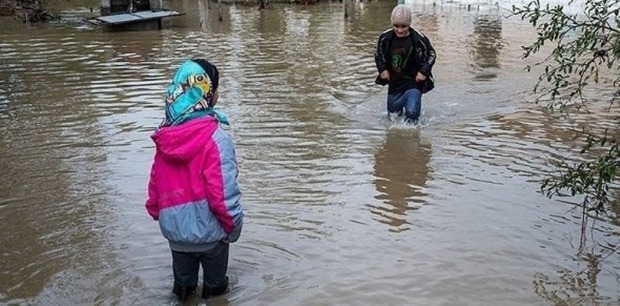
(404, 59)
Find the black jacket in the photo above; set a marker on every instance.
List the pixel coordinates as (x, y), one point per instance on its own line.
(424, 56)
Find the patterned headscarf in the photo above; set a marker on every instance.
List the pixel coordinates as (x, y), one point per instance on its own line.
(191, 93)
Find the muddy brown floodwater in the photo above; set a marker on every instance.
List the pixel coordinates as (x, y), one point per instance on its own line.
(342, 206)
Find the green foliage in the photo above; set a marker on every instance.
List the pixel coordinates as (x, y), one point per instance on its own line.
(591, 178)
(585, 44)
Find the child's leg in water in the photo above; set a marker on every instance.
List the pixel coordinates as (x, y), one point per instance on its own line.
(413, 105)
(214, 267)
(185, 267)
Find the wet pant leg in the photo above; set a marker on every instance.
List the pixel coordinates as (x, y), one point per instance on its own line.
(185, 268)
(395, 103)
(413, 104)
(215, 266)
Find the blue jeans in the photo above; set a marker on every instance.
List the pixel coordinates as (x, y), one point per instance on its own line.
(411, 100)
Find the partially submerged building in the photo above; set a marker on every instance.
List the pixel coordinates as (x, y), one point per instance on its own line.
(132, 15)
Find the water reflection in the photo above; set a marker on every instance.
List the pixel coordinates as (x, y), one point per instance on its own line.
(488, 40)
(297, 85)
(55, 140)
(266, 25)
(129, 48)
(579, 287)
(51, 184)
(426, 20)
(401, 170)
(204, 6)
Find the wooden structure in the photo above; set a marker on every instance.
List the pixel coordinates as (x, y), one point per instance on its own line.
(132, 14)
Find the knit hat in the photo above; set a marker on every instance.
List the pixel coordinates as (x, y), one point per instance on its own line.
(401, 15)
(191, 93)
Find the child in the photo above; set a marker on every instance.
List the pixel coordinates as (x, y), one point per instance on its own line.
(404, 58)
(193, 190)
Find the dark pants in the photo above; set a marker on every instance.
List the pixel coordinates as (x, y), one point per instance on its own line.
(214, 267)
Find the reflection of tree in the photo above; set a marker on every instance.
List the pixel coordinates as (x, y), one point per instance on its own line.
(615, 209)
(401, 169)
(203, 13)
(573, 288)
(487, 42)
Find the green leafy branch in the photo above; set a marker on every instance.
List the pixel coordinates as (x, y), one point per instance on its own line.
(583, 44)
(592, 179)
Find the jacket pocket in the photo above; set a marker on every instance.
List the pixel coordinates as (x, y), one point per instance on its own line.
(428, 84)
(380, 81)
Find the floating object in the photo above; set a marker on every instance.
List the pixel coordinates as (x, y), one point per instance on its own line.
(132, 15)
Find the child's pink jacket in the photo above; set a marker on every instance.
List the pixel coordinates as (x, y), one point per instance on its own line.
(193, 189)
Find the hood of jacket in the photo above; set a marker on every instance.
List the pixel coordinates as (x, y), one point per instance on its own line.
(181, 143)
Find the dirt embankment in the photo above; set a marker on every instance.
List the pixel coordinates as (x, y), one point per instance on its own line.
(7, 7)
(25, 10)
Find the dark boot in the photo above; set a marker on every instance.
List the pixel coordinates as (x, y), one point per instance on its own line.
(214, 291)
(183, 292)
